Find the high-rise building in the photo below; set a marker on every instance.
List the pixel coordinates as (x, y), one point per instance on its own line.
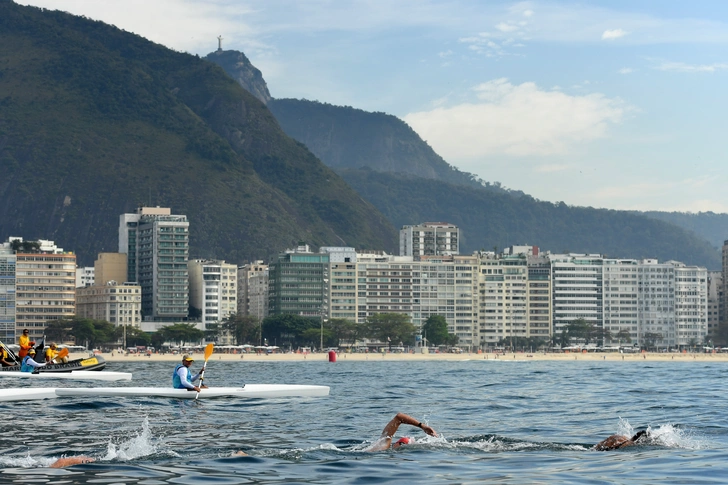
(429, 239)
(156, 243)
(620, 280)
(298, 283)
(7, 293)
(253, 290)
(45, 286)
(715, 287)
(576, 289)
(213, 290)
(342, 284)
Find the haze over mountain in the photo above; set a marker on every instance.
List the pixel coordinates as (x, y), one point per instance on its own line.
(95, 121)
(393, 168)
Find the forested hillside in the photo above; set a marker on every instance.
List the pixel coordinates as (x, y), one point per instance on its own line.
(493, 220)
(95, 121)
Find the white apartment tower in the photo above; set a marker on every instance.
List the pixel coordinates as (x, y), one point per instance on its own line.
(620, 298)
(156, 243)
(429, 239)
(213, 290)
(576, 289)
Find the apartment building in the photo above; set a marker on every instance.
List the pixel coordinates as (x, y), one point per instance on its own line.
(298, 283)
(620, 279)
(7, 293)
(156, 243)
(213, 290)
(84, 277)
(429, 239)
(117, 303)
(45, 279)
(576, 289)
(715, 289)
(253, 289)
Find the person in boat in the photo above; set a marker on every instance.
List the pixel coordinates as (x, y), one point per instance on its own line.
(617, 441)
(25, 343)
(29, 364)
(385, 440)
(5, 359)
(182, 378)
(51, 353)
(71, 460)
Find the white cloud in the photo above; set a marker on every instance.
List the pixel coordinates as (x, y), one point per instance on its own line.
(613, 34)
(528, 13)
(503, 27)
(625, 70)
(517, 120)
(683, 67)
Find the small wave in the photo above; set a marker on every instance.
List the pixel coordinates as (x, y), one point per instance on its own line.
(667, 435)
(139, 446)
(26, 461)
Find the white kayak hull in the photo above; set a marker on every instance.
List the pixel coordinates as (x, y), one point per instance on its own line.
(27, 394)
(250, 391)
(79, 375)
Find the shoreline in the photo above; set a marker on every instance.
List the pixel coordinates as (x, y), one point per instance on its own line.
(403, 357)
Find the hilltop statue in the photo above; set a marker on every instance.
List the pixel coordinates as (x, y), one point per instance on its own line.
(219, 43)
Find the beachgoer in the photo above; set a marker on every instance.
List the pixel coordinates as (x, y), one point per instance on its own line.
(617, 441)
(182, 378)
(29, 364)
(385, 441)
(25, 343)
(5, 359)
(71, 460)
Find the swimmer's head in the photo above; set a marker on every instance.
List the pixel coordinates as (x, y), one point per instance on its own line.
(402, 441)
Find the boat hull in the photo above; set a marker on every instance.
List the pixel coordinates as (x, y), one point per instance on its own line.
(94, 363)
(79, 375)
(250, 391)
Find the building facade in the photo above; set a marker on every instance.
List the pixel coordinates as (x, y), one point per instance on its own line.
(213, 290)
(84, 277)
(298, 283)
(45, 288)
(116, 303)
(429, 239)
(110, 267)
(156, 243)
(7, 294)
(253, 290)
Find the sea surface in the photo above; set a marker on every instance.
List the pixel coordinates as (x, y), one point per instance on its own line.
(498, 422)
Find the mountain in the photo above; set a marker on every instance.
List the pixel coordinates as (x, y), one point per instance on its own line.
(389, 164)
(237, 65)
(345, 137)
(95, 121)
(499, 220)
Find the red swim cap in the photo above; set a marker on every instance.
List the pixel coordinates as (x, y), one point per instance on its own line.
(404, 441)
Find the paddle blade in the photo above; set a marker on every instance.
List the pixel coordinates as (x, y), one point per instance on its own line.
(208, 350)
(63, 353)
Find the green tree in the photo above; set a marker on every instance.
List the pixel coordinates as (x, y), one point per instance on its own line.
(181, 333)
(650, 339)
(623, 335)
(392, 327)
(288, 329)
(340, 331)
(243, 328)
(435, 330)
(136, 336)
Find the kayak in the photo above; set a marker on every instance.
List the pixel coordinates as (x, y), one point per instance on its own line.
(78, 375)
(249, 391)
(27, 394)
(94, 363)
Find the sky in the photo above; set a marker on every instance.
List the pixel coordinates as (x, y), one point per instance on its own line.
(614, 104)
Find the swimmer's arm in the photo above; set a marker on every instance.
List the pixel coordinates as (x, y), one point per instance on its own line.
(391, 428)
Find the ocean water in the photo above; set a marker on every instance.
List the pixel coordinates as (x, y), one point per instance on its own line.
(498, 422)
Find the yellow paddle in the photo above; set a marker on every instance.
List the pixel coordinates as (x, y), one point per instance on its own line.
(61, 354)
(208, 352)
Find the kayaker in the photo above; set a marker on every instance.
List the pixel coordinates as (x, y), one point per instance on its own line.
(182, 377)
(25, 344)
(617, 441)
(385, 441)
(29, 364)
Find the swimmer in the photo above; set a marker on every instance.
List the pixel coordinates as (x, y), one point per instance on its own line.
(385, 441)
(71, 460)
(617, 441)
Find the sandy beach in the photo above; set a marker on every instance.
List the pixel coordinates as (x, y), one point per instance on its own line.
(284, 357)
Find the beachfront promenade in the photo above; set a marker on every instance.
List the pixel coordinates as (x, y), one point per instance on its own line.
(343, 357)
